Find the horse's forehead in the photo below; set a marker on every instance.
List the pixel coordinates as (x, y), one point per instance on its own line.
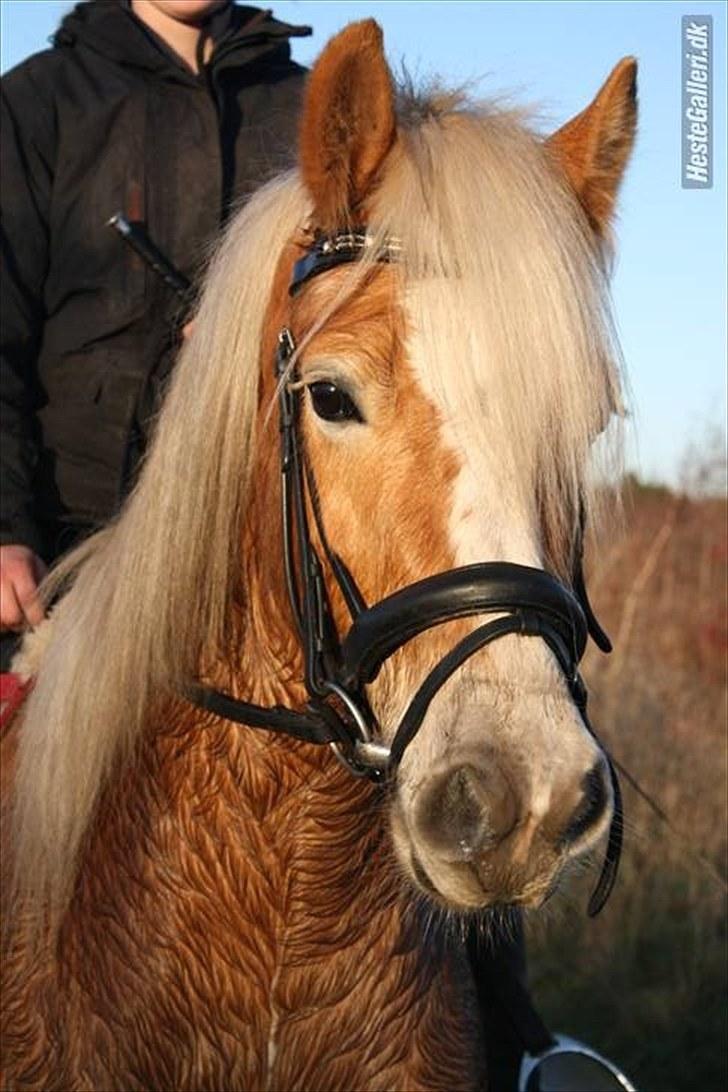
(367, 312)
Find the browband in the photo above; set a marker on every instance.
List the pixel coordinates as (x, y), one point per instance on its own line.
(341, 248)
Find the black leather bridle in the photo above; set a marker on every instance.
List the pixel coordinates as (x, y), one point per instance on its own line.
(529, 602)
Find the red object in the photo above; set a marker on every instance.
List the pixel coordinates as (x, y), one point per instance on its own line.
(13, 689)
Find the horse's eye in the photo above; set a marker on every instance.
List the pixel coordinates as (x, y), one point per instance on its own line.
(333, 404)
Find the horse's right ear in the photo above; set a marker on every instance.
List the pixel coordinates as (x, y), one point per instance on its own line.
(348, 124)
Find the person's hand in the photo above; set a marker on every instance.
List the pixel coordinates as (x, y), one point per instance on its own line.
(21, 571)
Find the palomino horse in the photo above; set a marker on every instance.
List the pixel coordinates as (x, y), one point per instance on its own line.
(201, 905)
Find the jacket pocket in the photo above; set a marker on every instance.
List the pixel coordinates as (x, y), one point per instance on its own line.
(86, 426)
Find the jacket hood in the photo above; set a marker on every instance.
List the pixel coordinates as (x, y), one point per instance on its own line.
(109, 27)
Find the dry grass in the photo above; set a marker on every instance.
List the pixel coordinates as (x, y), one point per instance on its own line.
(646, 981)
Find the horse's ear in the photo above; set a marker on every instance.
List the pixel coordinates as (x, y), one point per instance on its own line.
(348, 124)
(593, 148)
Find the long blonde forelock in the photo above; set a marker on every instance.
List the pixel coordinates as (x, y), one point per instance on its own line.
(515, 275)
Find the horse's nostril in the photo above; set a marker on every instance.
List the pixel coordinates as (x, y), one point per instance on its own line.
(593, 804)
(465, 808)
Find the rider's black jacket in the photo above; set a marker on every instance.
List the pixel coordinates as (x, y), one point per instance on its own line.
(111, 119)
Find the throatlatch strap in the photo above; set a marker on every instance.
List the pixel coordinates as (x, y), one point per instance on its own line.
(597, 634)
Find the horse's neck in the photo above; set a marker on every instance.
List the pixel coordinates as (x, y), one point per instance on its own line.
(253, 877)
(263, 870)
(259, 873)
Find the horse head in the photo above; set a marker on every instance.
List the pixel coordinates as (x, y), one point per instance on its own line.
(451, 365)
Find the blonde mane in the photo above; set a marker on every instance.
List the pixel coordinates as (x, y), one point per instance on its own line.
(478, 207)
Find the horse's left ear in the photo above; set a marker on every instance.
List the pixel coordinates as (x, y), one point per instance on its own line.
(593, 148)
(348, 124)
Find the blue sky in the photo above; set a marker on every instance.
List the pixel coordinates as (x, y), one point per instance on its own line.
(670, 279)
